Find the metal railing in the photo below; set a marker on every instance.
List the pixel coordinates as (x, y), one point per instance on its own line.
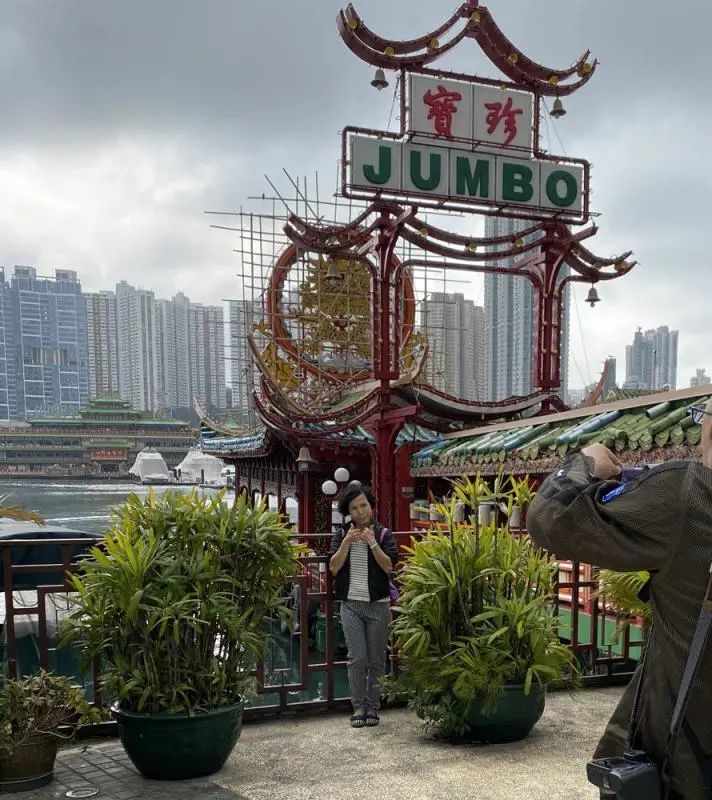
(304, 666)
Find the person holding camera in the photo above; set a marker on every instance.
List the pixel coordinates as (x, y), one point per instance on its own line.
(361, 559)
(660, 522)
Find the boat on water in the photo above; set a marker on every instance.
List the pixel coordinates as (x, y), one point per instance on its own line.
(227, 477)
(157, 480)
(200, 468)
(150, 468)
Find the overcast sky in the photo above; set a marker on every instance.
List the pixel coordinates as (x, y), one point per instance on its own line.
(124, 120)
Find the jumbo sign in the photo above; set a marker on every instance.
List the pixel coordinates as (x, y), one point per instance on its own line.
(467, 144)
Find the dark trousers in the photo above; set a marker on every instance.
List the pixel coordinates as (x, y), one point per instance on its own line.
(366, 633)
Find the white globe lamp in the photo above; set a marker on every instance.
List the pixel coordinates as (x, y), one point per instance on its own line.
(341, 475)
(329, 488)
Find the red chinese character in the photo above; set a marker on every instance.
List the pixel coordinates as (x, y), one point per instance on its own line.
(442, 107)
(508, 114)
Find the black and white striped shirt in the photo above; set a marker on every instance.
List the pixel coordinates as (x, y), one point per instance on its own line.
(358, 573)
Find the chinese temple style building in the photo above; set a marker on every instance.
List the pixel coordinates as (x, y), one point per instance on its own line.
(101, 441)
(641, 430)
(337, 359)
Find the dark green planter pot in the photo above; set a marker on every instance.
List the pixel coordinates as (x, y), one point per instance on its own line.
(30, 766)
(513, 719)
(175, 747)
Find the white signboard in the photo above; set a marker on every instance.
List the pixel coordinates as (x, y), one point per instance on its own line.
(451, 174)
(470, 115)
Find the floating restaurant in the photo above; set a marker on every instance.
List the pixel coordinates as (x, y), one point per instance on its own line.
(102, 441)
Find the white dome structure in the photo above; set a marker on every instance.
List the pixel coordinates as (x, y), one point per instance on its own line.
(198, 466)
(150, 463)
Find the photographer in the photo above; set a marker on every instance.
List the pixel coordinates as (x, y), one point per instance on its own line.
(660, 522)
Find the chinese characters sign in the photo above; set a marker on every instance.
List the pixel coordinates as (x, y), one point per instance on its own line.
(109, 454)
(466, 145)
(460, 114)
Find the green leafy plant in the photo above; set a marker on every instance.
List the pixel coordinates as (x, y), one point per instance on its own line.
(621, 591)
(38, 706)
(475, 614)
(522, 491)
(174, 602)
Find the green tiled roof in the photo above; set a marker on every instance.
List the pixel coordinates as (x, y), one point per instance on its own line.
(657, 429)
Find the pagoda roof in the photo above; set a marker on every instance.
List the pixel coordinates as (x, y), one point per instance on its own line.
(644, 429)
(262, 442)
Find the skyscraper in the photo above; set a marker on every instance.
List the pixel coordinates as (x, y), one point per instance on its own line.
(244, 314)
(701, 378)
(665, 369)
(44, 341)
(455, 330)
(5, 390)
(102, 344)
(510, 320)
(651, 360)
(138, 350)
(206, 338)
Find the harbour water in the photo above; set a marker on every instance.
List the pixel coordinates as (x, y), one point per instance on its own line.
(84, 505)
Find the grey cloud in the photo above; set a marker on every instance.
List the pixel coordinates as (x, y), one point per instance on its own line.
(191, 101)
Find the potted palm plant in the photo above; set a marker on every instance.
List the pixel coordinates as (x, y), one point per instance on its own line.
(520, 499)
(32, 711)
(474, 628)
(174, 604)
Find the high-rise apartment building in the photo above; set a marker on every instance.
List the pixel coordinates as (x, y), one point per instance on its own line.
(243, 315)
(665, 361)
(455, 330)
(701, 378)
(5, 384)
(137, 330)
(43, 361)
(510, 325)
(174, 366)
(206, 339)
(651, 360)
(102, 344)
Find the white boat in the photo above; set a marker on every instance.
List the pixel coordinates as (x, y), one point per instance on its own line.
(149, 463)
(156, 480)
(227, 477)
(199, 467)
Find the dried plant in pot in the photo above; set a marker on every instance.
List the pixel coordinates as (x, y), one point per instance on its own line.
(474, 627)
(174, 603)
(36, 713)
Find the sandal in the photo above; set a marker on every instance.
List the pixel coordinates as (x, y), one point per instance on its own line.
(372, 720)
(358, 721)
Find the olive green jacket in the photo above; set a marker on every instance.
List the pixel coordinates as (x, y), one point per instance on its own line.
(662, 523)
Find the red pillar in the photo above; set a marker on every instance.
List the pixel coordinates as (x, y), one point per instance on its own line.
(547, 337)
(305, 503)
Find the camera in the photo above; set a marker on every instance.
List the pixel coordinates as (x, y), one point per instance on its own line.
(631, 473)
(632, 776)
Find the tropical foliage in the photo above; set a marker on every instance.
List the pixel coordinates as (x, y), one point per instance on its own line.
(621, 591)
(175, 600)
(37, 706)
(475, 614)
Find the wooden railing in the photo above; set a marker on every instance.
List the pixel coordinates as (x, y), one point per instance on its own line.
(304, 666)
